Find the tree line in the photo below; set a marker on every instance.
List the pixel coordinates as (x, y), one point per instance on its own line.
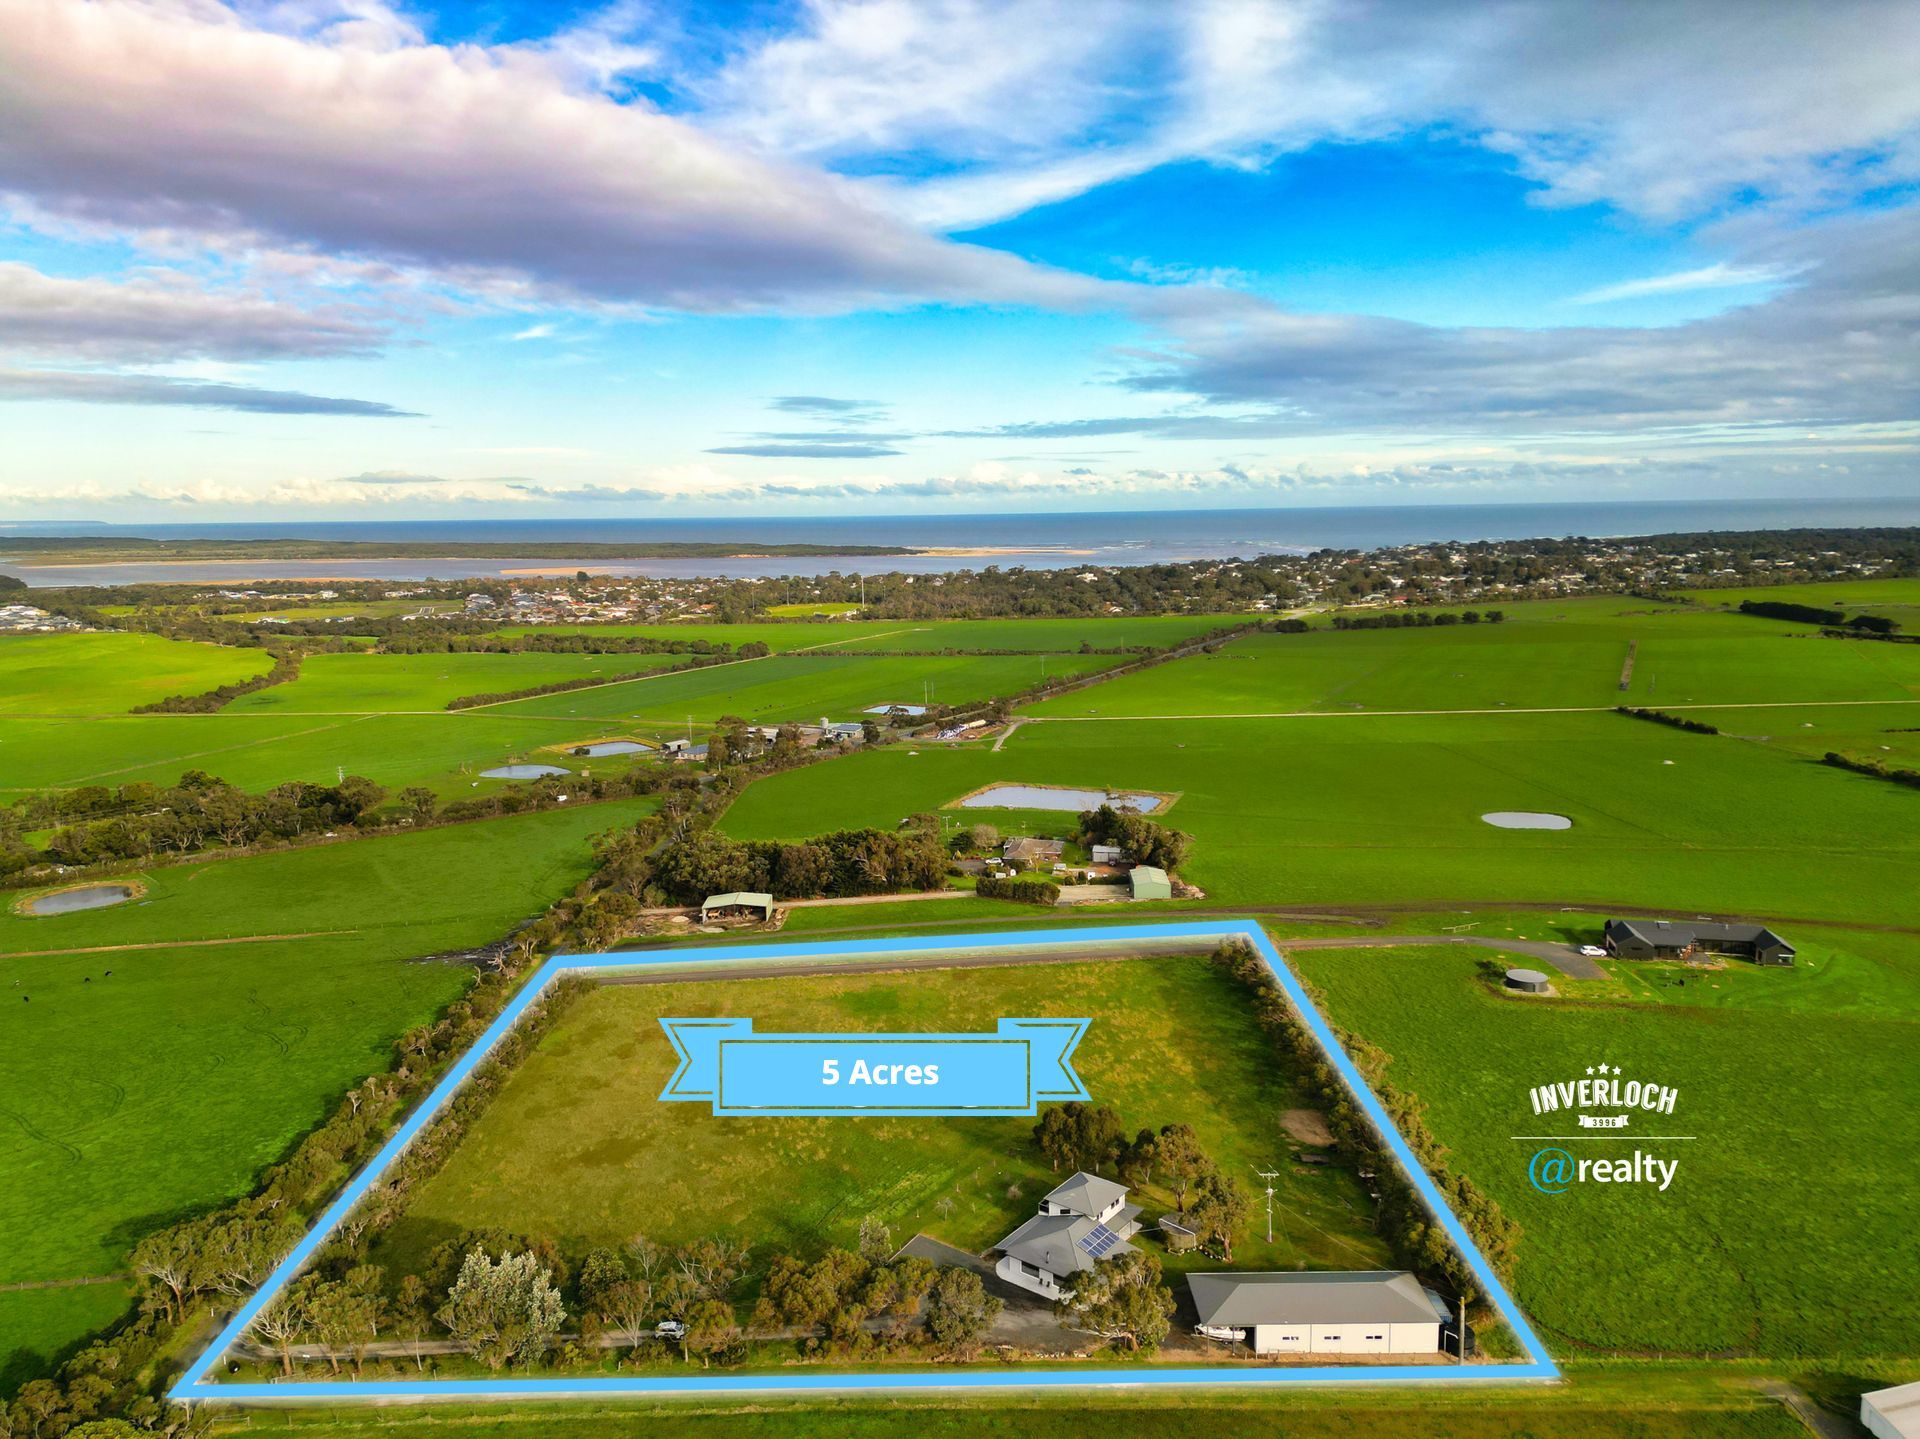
(1400, 1215)
(1417, 619)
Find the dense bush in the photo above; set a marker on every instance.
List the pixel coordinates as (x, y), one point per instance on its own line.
(1147, 841)
(1799, 614)
(847, 862)
(1023, 890)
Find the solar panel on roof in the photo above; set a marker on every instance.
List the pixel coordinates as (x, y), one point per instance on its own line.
(1098, 1240)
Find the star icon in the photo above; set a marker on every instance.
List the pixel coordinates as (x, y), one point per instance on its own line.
(1589, 1069)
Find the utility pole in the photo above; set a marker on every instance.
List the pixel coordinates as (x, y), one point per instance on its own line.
(1269, 1175)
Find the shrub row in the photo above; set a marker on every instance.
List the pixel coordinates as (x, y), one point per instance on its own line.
(1416, 619)
(1021, 890)
(286, 669)
(1908, 777)
(1673, 721)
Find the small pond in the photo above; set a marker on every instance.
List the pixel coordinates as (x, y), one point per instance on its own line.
(1526, 819)
(1035, 796)
(68, 901)
(610, 746)
(521, 771)
(895, 709)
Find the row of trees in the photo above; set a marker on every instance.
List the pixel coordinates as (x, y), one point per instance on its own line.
(1876, 768)
(1416, 619)
(284, 670)
(1400, 1216)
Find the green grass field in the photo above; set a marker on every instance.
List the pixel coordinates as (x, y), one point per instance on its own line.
(805, 687)
(1548, 654)
(1387, 809)
(384, 684)
(1038, 636)
(160, 1089)
(38, 1326)
(1774, 1236)
(108, 673)
(1635, 1404)
(574, 1145)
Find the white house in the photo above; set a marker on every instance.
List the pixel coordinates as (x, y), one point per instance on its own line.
(1082, 1221)
(1301, 1312)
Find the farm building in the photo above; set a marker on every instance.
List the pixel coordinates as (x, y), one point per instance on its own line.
(1892, 1413)
(1149, 882)
(1682, 939)
(1301, 1312)
(1107, 854)
(736, 904)
(1528, 981)
(1033, 852)
(1081, 1221)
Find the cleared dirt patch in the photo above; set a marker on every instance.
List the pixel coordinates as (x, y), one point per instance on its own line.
(1307, 1126)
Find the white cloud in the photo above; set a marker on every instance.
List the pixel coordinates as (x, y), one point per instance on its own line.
(99, 387)
(164, 316)
(354, 139)
(1707, 277)
(1665, 111)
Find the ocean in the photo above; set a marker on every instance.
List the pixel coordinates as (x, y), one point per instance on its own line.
(972, 541)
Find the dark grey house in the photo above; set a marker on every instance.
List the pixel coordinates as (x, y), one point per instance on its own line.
(1682, 938)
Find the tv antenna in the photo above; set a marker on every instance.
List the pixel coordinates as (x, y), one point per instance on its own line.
(1269, 1175)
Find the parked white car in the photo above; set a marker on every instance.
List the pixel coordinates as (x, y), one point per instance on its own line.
(670, 1329)
(1593, 951)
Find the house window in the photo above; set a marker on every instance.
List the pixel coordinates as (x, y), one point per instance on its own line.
(1033, 1269)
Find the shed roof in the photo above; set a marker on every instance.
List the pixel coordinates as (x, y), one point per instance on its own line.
(741, 898)
(1898, 1408)
(1381, 1296)
(1667, 933)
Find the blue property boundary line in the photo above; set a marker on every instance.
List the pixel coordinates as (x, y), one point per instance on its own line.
(194, 1384)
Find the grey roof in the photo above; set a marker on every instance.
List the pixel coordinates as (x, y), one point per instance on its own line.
(1382, 1296)
(1086, 1193)
(1526, 976)
(1052, 1241)
(1671, 933)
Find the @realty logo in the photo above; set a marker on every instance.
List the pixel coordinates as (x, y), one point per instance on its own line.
(1603, 1103)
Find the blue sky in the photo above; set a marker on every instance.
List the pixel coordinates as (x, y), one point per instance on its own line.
(327, 258)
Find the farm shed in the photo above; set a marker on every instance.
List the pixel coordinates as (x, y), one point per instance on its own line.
(1678, 939)
(1892, 1413)
(1528, 981)
(1149, 882)
(1301, 1312)
(736, 902)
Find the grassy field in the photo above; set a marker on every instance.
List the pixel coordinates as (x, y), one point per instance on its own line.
(151, 1075)
(1382, 808)
(1632, 1405)
(1548, 654)
(37, 1326)
(1036, 636)
(1880, 597)
(88, 674)
(575, 1146)
(1774, 1236)
(383, 684)
(805, 687)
